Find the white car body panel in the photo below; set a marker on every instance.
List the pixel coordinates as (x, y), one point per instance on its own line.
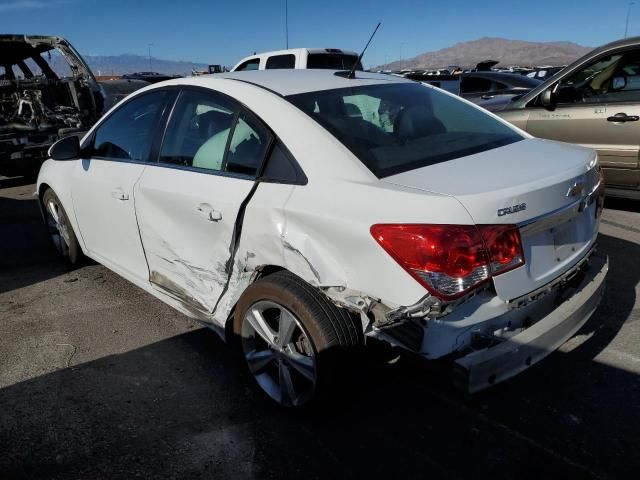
(320, 231)
(186, 222)
(107, 186)
(489, 181)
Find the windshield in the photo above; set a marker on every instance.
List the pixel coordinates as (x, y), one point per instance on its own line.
(403, 126)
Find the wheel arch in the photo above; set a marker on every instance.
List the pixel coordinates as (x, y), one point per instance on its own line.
(267, 270)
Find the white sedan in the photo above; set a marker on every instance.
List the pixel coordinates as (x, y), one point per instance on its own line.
(303, 212)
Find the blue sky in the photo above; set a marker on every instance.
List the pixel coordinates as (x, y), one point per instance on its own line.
(216, 31)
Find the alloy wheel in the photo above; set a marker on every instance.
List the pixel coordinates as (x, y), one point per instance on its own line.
(57, 225)
(279, 353)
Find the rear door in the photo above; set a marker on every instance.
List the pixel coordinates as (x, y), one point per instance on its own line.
(102, 187)
(188, 204)
(599, 107)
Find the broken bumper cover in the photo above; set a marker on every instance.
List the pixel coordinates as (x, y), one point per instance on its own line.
(481, 369)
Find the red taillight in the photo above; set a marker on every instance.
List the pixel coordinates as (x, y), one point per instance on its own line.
(451, 260)
(504, 245)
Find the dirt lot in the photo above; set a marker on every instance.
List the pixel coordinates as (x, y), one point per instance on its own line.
(100, 380)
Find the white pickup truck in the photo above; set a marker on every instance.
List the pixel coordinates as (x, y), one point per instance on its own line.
(300, 58)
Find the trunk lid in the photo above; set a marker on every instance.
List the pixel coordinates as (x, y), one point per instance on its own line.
(538, 185)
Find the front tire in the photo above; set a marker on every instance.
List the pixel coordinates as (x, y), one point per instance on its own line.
(293, 337)
(59, 228)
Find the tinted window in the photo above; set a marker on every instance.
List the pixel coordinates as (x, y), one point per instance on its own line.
(399, 127)
(332, 61)
(614, 78)
(252, 64)
(128, 132)
(281, 61)
(282, 168)
(474, 85)
(248, 147)
(198, 130)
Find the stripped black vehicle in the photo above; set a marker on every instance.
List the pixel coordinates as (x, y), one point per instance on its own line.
(47, 92)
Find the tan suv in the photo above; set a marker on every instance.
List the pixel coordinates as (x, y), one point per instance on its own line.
(594, 102)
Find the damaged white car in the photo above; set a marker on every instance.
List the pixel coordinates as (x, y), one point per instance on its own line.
(305, 211)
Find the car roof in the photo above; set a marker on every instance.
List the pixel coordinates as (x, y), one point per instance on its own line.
(286, 82)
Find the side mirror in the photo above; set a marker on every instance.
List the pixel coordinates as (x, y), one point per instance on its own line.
(619, 83)
(67, 148)
(549, 98)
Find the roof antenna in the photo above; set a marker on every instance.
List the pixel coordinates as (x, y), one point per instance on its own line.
(352, 73)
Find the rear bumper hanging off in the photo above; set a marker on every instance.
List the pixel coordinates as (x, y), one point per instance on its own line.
(481, 369)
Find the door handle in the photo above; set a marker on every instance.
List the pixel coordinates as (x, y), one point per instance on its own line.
(120, 195)
(622, 118)
(487, 97)
(209, 213)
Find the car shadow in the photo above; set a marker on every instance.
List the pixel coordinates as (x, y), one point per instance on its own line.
(612, 203)
(9, 182)
(28, 255)
(185, 407)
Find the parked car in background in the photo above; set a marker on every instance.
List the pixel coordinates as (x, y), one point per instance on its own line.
(37, 105)
(544, 73)
(490, 90)
(593, 102)
(149, 77)
(300, 58)
(118, 89)
(302, 212)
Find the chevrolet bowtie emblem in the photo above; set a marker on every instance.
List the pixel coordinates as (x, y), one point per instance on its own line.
(575, 190)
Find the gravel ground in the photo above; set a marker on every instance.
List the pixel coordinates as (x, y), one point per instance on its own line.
(100, 380)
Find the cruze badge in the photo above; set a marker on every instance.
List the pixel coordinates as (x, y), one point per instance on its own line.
(514, 209)
(575, 190)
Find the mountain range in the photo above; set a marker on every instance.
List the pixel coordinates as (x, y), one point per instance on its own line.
(507, 52)
(465, 54)
(128, 63)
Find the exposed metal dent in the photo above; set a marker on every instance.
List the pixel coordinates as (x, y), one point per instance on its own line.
(173, 289)
(202, 282)
(293, 249)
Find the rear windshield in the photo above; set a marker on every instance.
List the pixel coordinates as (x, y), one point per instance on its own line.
(332, 61)
(403, 126)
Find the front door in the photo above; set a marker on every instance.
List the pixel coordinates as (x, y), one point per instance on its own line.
(103, 186)
(599, 107)
(190, 203)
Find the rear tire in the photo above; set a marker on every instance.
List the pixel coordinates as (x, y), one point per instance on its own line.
(293, 338)
(59, 228)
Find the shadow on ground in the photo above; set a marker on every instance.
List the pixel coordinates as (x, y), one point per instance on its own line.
(184, 408)
(27, 254)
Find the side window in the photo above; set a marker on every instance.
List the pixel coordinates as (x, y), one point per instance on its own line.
(474, 85)
(252, 64)
(282, 168)
(614, 78)
(128, 132)
(198, 130)
(281, 61)
(248, 146)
